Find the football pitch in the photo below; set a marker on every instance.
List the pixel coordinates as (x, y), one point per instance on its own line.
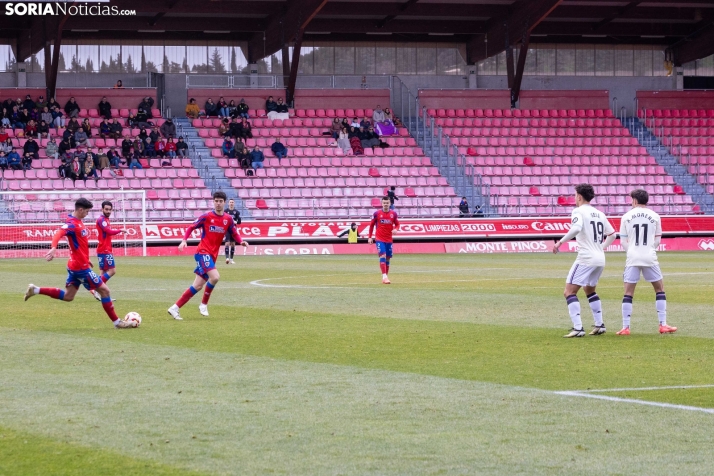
(309, 365)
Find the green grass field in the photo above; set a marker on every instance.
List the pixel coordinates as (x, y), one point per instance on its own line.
(309, 365)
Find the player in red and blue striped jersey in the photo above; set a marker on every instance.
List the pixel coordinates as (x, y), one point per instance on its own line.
(78, 267)
(386, 221)
(213, 225)
(104, 248)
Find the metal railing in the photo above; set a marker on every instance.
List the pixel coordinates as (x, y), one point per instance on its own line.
(274, 81)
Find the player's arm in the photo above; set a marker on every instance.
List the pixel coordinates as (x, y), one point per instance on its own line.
(59, 234)
(197, 224)
(236, 236)
(396, 222)
(576, 227)
(102, 225)
(658, 234)
(610, 234)
(372, 224)
(344, 232)
(623, 235)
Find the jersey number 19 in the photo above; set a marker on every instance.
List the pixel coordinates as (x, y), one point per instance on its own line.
(598, 231)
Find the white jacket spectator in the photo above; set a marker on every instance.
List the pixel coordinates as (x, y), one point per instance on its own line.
(378, 115)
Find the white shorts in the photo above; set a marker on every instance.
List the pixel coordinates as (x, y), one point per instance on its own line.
(651, 273)
(582, 275)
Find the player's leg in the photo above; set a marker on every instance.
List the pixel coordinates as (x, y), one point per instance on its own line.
(228, 249)
(389, 255)
(197, 285)
(382, 252)
(596, 308)
(66, 294)
(233, 251)
(653, 275)
(213, 277)
(107, 303)
(572, 286)
(630, 278)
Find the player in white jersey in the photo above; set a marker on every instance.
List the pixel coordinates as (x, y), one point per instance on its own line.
(640, 234)
(593, 233)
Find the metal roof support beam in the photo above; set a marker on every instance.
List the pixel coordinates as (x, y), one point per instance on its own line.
(516, 88)
(525, 16)
(690, 49)
(290, 89)
(284, 28)
(51, 78)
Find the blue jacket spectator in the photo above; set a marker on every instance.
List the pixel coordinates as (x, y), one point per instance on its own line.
(279, 149)
(228, 149)
(257, 158)
(14, 160)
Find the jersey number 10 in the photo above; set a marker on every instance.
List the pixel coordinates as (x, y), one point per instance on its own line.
(637, 234)
(598, 232)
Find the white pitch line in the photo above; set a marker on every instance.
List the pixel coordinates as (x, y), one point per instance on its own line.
(673, 387)
(638, 402)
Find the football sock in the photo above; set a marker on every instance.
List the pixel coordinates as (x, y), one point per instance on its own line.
(233, 251)
(596, 307)
(54, 293)
(109, 308)
(186, 296)
(626, 310)
(383, 265)
(661, 305)
(574, 310)
(387, 267)
(106, 277)
(228, 251)
(207, 292)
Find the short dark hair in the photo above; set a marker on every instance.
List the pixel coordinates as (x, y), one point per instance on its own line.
(586, 191)
(387, 198)
(220, 194)
(392, 187)
(641, 196)
(107, 202)
(83, 203)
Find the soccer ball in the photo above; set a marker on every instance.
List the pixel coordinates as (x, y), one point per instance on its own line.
(133, 317)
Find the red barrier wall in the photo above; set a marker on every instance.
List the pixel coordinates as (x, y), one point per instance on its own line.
(14, 93)
(304, 98)
(676, 99)
(88, 98)
(598, 99)
(465, 98)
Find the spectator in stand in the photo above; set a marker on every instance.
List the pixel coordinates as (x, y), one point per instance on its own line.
(149, 148)
(386, 127)
(114, 158)
(131, 121)
(257, 158)
(270, 105)
(41, 103)
(76, 171)
(143, 134)
(14, 161)
(28, 103)
(159, 147)
(80, 137)
(133, 160)
(104, 108)
(233, 128)
(115, 129)
(232, 108)
(281, 111)
(52, 150)
(3, 134)
(65, 146)
(105, 129)
(3, 160)
(5, 118)
(279, 149)
(242, 153)
(31, 129)
(155, 135)
(141, 118)
(71, 108)
(365, 123)
(378, 115)
(126, 145)
(335, 128)
(46, 115)
(73, 125)
(355, 123)
(343, 141)
(222, 106)
(138, 147)
(210, 108)
(52, 104)
(181, 148)
(242, 109)
(146, 104)
(224, 128)
(67, 134)
(228, 149)
(192, 109)
(17, 118)
(355, 142)
(478, 211)
(90, 169)
(6, 146)
(245, 130)
(87, 128)
(58, 119)
(103, 160)
(35, 114)
(31, 149)
(119, 84)
(464, 208)
(168, 129)
(170, 148)
(392, 194)
(43, 129)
